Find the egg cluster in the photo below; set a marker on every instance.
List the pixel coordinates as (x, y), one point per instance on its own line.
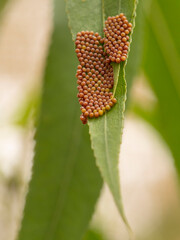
(95, 76)
(95, 73)
(116, 42)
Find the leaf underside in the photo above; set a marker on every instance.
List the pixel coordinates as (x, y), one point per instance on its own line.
(65, 182)
(106, 131)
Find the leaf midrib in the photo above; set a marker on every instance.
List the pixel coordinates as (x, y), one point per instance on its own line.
(107, 153)
(108, 163)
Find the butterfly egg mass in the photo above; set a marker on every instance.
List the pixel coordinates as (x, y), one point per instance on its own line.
(95, 73)
(116, 42)
(95, 76)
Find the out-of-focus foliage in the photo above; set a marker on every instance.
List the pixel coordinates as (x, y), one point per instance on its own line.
(65, 182)
(161, 65)
(136, 50)
(28, 110)
(2, 4)
(93, 235)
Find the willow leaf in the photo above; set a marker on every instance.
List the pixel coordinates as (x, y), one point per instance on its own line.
(106, 132)
(65, 182)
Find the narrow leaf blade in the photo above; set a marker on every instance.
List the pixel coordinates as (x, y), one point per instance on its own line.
(65, 183)
(106, 132)
(106, 135)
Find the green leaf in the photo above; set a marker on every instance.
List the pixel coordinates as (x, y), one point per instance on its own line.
(2, 5)
(84, 15)
(161, 67)
(116, 71)
(28, 110)
(136, 53)
(65, 182)
(106, 135)
(93, 235)
(106, 132)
